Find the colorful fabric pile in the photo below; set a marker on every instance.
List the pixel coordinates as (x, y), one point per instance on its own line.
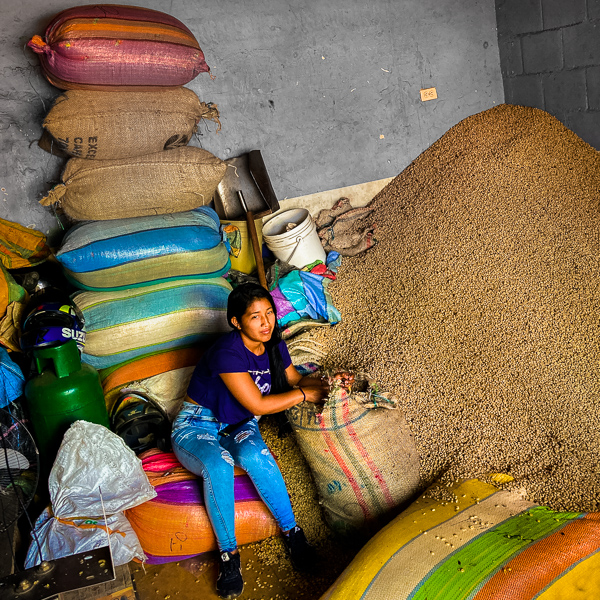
(19, 247)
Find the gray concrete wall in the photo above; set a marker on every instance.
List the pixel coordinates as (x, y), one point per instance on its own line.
(550, 59)
(328, 91)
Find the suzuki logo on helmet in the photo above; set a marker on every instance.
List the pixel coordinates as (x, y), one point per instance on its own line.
(78, 336)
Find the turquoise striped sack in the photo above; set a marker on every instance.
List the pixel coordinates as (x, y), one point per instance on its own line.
(126, 324)
(124, 253)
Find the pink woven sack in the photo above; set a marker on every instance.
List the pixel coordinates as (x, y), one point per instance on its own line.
(105, 46)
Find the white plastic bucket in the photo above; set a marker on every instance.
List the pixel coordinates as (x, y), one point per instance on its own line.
(299, 246)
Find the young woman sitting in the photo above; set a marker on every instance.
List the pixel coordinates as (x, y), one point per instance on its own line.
(246, 373)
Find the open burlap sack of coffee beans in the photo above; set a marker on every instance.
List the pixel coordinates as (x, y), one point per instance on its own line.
(361, 453)
(165, 182)
(121, 124)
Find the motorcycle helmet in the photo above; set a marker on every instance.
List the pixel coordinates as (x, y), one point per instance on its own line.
(51, 319)
(141, 422)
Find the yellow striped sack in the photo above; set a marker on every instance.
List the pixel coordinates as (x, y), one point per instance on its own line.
(485, 544)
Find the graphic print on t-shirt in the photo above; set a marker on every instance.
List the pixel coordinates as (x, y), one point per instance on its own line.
(263, 386)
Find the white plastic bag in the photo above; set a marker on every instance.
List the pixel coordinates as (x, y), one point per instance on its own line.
(96, 473)
(94, 478)
(59, 537)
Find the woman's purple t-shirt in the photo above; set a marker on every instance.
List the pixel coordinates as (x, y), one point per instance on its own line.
(229, 355)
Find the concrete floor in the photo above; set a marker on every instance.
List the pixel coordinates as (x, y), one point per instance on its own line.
(195, 578)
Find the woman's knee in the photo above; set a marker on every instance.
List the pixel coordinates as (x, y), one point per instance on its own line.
(212, 461)
(256, 457)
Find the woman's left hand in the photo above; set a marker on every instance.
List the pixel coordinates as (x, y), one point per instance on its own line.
(314, 394)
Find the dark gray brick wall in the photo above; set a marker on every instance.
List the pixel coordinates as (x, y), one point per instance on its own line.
(525, 91)
(550, 59)
(586, 125)
(593, 87)
(594, 9)
(565, 89)
(582, 45)
(560, 13)
(519, 16)
(542, 52)
(511, 58)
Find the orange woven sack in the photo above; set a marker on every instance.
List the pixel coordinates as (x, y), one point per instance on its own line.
(175, 525)
(137, 375)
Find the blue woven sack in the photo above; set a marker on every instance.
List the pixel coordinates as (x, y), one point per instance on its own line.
(124, 253)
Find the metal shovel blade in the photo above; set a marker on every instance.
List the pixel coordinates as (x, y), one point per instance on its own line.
(246, 173)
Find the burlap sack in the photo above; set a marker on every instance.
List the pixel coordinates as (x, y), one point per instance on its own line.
(165, 182)
(361, 454)
(113, 125)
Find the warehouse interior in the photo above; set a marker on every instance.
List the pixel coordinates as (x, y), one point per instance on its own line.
(462, 137)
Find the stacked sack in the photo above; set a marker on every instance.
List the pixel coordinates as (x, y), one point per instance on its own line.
(468, 540)
(148, 253)
(174, 525)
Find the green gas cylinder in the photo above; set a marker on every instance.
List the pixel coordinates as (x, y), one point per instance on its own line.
(65, 390)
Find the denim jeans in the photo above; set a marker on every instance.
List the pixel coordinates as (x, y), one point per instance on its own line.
(201, 450)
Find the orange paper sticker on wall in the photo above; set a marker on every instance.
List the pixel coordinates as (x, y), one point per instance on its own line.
(428, 94)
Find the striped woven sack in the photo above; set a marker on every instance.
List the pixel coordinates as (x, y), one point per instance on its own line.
(123, 253)
(110, 125)
(164, 376)
(174, 525)
(20, 246)
(361, 454)
(478, 544)
(136, 322)
(104, 46)
(155, 184)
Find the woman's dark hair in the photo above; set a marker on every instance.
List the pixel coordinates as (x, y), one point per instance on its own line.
(237, 304)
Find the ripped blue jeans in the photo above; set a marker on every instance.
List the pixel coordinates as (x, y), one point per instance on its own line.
(201, 450)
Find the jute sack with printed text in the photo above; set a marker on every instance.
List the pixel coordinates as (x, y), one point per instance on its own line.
(165, 182)
(111, 125)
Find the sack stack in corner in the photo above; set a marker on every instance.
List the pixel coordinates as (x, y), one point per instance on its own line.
(126, 118)
(151, 254)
